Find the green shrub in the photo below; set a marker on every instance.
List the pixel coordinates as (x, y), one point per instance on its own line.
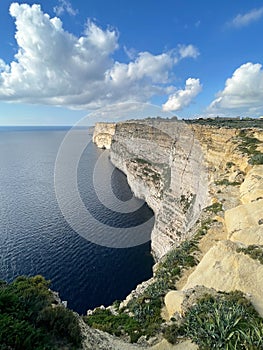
(21, 335)
(227, 321)
(226, 182)
(61, 323)
(114, 324)
(215, 207)
(249, 146)
(28, 320)
(256, 159)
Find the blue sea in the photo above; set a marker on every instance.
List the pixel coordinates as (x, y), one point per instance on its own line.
(35, 238)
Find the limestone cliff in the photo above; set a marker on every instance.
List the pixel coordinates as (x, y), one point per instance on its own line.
(164, 165)
(192, 174)
(102, 134)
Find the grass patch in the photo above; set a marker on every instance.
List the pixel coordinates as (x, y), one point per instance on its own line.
(226, 321)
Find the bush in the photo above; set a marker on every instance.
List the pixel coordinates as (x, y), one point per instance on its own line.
(256, 159)
(114, 324)
(15, 334)
(60, 322)
(227, 321)
(29, 321)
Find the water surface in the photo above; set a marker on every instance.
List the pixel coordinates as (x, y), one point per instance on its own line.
(36, 239)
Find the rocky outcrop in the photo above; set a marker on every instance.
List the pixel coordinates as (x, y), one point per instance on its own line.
(102, 134)
(225, 267)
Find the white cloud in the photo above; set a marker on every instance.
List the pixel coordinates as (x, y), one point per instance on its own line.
(182, 98)
(64, 6)
(243, 92)
(247, 18)
(55, 67)
(188, 51)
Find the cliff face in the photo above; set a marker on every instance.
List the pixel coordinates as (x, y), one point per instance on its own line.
(103, 133)
(200, 180)
(164, 165)
(174, 167)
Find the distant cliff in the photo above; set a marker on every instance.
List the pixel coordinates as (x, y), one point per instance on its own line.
(102, 134)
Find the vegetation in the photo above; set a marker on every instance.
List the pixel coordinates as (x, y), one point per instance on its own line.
(226, 182)
(176, 261)
(249, 146)
(29, 321)
(142, 316)
(228, 122)
(118, 325)
(187, 201)
(225, 321)
(214, 208)
(254, 251)
(256, 159)
(230, 164)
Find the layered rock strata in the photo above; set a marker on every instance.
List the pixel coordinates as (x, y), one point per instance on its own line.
(164, 165)
(181, 169)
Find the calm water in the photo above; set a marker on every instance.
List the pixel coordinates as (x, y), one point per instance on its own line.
(36, 239)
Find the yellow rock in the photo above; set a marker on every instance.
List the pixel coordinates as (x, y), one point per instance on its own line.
(252, 188)
(223, 269)
(173, 301)
(164, 345)
(244, 217)
(248, 236)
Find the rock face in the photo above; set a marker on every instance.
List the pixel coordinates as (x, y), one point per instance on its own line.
(179, 170)
(164, 165)
(103, 133)
(226, 270)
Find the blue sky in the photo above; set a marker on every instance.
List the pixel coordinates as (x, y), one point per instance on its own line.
(61, 60)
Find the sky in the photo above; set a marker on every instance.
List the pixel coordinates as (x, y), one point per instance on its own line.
(63, 60)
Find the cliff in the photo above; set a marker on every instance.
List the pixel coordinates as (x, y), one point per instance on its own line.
(102, 134)
(202, 181)
(164, 165)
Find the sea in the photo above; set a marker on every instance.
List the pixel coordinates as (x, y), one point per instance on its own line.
(35, 237)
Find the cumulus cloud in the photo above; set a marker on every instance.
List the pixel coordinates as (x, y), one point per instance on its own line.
(243, 92)
(52, 66)
(64, 6)
(247, 18)
(182, 98)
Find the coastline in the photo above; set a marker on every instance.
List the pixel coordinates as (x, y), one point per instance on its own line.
(232, 177)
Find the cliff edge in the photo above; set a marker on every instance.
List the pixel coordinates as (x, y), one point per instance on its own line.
(204, 183)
